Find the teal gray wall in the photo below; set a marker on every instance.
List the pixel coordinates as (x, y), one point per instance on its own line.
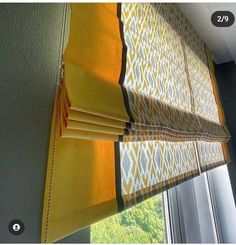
(31, 37)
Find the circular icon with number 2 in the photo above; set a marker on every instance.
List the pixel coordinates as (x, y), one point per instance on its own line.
(16, 227)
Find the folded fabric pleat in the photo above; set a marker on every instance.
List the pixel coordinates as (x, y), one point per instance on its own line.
(91, 94)
(77, 171)
(85, 117)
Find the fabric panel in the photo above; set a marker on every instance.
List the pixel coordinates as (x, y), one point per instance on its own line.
(166, 75)
(84, 88)
(86, 117)
(77, 171)
(94, 74)
(100, 56)
(155, 59)
(211, 154)
(204, 100)
(152, 165)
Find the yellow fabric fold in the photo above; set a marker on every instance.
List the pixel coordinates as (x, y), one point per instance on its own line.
(92, 77)
(89, 118)
(85, 126)
(95, 36)
(77, 171)
(84, 130)
(85, 117)
(93, 128)
(87, 135)
(90, 94)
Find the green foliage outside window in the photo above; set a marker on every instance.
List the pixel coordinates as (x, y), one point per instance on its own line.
(143, 223)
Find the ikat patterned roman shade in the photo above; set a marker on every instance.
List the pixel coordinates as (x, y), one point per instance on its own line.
(137, 111)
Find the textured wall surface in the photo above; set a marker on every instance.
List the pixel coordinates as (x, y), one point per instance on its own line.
(30, 46)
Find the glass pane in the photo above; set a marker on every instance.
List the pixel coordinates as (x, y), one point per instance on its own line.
(143, 223)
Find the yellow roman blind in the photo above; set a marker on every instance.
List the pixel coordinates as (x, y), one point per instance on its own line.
(137, 111)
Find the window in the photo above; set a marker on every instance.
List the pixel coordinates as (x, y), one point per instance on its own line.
(143, 223)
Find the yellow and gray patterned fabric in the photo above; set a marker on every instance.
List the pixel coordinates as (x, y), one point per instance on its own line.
(137, 112)
(171, 98)
(210, 154)
(168, 84)
(150, 167)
